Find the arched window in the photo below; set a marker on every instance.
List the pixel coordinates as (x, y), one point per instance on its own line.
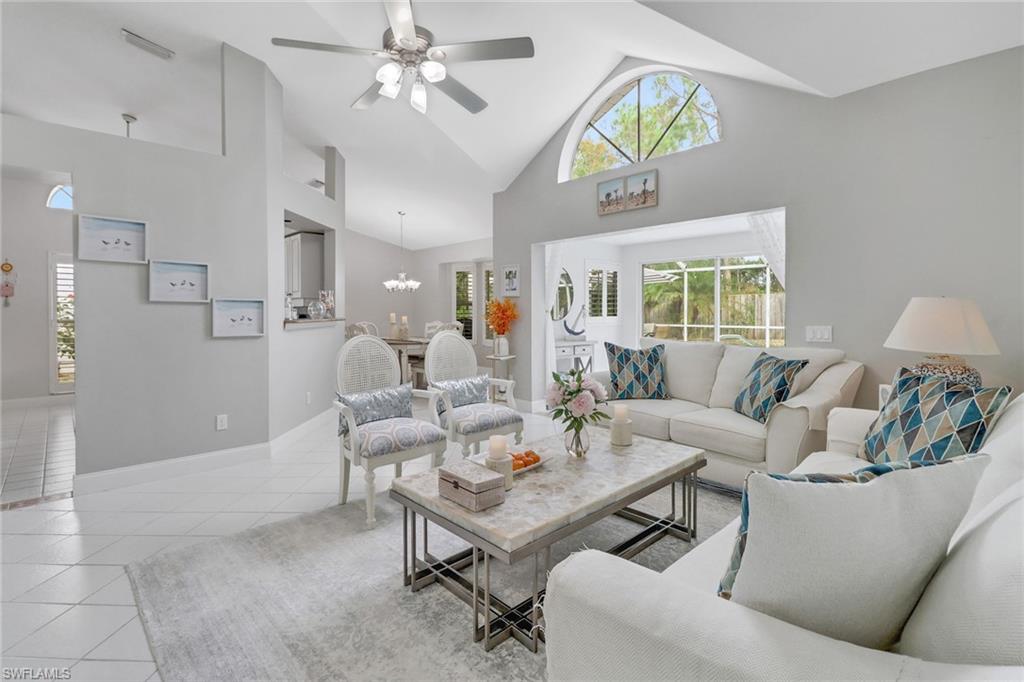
(649, 116)
(61, 196)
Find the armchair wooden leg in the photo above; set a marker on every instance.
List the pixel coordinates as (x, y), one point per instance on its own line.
(465, 450)
(398, 469)
(438, 458)
(370, 496)
(519, 437)
(343, 484)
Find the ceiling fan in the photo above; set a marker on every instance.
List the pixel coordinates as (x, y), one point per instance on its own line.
(412, 55)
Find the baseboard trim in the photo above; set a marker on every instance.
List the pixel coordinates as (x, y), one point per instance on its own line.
(286, 439)
(135, 474)
(38, 401)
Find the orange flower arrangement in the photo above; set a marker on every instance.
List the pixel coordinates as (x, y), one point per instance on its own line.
(501, 314)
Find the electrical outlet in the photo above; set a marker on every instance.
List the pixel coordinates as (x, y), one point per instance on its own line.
(309, 398)
(222, 422)
(818, 333)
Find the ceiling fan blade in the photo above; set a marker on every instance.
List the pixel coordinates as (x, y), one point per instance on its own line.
(328, 47)
(400, 17)
(480, 50)
(461, 94)
(367, 99)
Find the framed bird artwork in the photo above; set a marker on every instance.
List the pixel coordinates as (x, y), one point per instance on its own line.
(116, 240)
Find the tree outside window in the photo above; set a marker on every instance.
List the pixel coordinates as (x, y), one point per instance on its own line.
(679, 301)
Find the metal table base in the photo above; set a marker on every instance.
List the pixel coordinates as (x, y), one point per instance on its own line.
(494, 619)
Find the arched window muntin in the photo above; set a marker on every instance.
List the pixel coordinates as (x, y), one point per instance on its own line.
(648, 113)
(61, 197)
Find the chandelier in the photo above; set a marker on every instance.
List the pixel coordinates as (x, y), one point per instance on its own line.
(402, 284)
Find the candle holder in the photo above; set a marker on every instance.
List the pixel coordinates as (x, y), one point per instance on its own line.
(499, 460)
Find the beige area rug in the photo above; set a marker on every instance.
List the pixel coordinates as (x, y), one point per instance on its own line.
(319, 597)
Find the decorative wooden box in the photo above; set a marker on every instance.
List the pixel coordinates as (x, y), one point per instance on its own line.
(470, 485)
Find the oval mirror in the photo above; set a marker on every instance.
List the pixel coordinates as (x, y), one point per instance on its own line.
(563, 297)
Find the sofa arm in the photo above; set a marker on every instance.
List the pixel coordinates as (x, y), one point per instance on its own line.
(847, 427)
(609, 619)
(787, 441)
(835, 387)
(604, 377)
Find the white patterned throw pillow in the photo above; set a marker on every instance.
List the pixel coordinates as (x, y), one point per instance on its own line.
(848, 556)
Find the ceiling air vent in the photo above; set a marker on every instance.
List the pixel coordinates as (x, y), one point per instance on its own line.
(147, 45)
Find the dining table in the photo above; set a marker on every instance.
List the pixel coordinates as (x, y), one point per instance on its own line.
(405, 346)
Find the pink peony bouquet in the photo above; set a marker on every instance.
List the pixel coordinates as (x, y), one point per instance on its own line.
(574, 399)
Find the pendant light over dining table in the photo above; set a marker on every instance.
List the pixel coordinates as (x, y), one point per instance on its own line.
(402, 284)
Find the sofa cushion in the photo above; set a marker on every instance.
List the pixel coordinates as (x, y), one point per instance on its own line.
(690, 368)
(651, 417)
(636, 373)
(479, 417)
(736, 362)
(973, 608)
(1004, 446)
(801, 533)
(386, 436)
(719, 429)
(768, 383)
(928, 418)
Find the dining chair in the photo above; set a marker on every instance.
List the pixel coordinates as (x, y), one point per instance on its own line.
(450, 357)
(366, 364)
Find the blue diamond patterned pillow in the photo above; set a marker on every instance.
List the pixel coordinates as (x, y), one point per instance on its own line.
(929, 418)
(636, 373)
(768, 383)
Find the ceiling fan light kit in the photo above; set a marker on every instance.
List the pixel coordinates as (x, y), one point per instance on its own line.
(411, 51)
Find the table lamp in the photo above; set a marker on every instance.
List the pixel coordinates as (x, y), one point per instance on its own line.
(945, 329)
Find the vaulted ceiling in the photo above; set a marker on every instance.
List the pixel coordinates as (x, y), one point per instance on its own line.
(66, 63)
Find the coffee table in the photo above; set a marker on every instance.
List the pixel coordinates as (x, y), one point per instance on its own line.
(547, 504)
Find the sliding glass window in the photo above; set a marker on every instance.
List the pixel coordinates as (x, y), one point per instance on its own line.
(735, 300)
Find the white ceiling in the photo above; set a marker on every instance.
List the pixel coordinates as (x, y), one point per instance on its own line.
(841, 47)
(66, 63)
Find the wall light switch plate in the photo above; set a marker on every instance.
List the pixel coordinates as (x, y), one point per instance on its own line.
(818, 333)
(222, 422)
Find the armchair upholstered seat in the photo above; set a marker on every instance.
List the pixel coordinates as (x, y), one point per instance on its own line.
(387, 436)
(473, 419)
(450, 357)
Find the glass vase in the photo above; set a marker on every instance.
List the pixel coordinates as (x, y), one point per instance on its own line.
(577, 442)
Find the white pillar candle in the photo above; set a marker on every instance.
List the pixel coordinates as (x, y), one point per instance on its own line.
(393, 317)
(405, 319)
(621, 412)
(497, 447)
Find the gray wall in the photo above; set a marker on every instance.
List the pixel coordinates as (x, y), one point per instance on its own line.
(30, 232)
(150, 377)
(910, 188)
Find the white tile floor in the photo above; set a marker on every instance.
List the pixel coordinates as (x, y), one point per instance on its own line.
(66, 601)
(37, 452)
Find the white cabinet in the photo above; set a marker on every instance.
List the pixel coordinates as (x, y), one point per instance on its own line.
(304, 265)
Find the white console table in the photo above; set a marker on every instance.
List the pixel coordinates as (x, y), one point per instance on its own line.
(580, 353)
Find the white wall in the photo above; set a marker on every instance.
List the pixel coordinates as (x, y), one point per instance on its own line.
(31, 231)
(890, 192)
(150, 377)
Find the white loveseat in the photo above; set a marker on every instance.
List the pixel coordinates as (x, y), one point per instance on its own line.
(703, 380)
(607, 618)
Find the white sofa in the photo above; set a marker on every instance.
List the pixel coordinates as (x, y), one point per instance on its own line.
(703, 380)
(607, 618)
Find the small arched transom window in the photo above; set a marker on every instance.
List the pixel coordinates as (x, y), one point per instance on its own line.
(653, 115)
(61, 196)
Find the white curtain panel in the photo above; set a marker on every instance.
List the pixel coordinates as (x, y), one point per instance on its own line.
(552, 274)
(769, 229)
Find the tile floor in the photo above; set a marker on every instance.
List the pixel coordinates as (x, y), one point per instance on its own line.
(38, 452)
(66, 600)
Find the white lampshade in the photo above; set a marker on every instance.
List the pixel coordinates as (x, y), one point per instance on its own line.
(952, 326)
(433, 71)
(418, 97)
(389, 73)
(390, 89)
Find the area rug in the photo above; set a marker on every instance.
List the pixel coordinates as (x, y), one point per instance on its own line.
(319, 597)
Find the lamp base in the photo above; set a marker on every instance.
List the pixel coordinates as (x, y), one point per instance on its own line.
(952, 367)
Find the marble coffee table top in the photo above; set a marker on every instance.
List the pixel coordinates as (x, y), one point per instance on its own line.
(562, 491)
